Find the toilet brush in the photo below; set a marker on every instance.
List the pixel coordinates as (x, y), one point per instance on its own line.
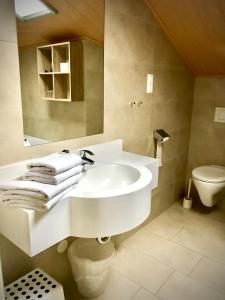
(187, 202)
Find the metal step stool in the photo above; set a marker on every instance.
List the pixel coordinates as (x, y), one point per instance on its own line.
(36, 285)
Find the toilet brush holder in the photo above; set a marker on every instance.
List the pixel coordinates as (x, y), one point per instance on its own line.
(33, 286)
(187, 201)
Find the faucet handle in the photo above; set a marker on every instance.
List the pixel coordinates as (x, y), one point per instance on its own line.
(85, 159)
(65, 151)
(83, 153)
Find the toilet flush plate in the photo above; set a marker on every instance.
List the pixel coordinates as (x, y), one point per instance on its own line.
(219, 115)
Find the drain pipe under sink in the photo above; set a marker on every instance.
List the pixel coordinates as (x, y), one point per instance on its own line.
(103, 240)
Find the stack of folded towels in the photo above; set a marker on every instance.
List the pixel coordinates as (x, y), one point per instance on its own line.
(47, 180)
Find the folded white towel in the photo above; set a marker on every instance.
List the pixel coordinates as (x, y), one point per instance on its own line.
(27, 202)
(55, 163)
(26, 193)
(52, 179)
(39, 191)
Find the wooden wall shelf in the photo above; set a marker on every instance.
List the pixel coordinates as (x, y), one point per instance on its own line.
(54, 83)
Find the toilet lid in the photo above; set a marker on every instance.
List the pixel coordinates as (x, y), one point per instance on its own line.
(209, 173)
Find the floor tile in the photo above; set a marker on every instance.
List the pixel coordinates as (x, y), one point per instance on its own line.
(164, 228)
(164, 251)
(210, 273)
(168, 223)
(207, 240)
(205, 226)
(118, 288)
(180, 287)
(214, 213)
(141, 269)
(144, 295)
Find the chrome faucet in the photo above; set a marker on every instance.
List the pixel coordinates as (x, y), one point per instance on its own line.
(85, 159)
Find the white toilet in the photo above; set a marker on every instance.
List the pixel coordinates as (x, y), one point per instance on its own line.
(209, 182)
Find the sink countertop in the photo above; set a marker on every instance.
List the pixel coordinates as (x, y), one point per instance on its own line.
(38, 231)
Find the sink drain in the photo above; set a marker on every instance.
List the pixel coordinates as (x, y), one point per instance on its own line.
(34, 285)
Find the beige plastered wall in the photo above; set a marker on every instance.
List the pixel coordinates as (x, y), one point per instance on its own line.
(134, 46)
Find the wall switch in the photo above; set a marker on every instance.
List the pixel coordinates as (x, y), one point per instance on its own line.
(149, 83)
(219, 115)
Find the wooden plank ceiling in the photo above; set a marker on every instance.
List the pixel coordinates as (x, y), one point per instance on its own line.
(74, 19)
(197, 30)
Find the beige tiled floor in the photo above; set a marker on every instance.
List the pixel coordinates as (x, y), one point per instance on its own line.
(180, 255)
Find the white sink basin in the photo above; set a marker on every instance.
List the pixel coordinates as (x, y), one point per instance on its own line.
(110, 199)
(108, 180)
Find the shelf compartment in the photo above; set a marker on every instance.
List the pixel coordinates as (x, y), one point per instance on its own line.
(44, 59)
(61, 54)
(49, 59)
(46, 86)
(45, 73)
(62, 87)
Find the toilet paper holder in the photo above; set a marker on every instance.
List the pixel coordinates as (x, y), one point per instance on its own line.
(161, 135)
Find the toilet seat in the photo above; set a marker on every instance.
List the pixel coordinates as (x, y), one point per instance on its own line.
(209, 173)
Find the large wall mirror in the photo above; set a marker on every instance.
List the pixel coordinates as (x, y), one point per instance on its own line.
(61, 56)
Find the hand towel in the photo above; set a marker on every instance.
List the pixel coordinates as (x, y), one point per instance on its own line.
(55, 163)
(37, 190)
(52, 179)
(24, 193)
(26, 202)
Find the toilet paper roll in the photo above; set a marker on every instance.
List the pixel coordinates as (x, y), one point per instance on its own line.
(159, 152)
